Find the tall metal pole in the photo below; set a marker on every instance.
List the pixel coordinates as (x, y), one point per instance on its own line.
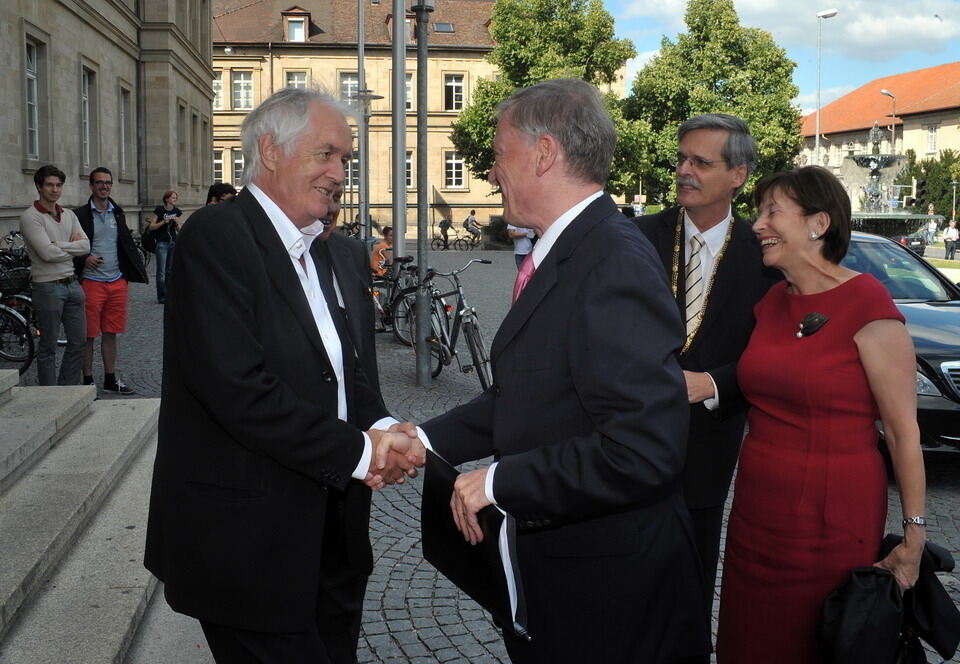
(422, 8)
(825, 14)
(398, 116)
(953, 210)
(364, 129)
(893, 121)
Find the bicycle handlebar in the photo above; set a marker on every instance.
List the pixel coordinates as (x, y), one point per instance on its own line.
(453, 273)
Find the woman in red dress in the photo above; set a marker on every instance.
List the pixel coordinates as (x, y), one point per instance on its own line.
(810, 495)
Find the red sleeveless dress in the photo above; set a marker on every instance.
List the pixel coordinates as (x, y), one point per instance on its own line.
(810, 495)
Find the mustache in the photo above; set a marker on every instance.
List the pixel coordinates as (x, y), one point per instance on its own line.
(688, 182)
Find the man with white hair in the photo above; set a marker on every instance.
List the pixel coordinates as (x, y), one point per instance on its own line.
(267, 418)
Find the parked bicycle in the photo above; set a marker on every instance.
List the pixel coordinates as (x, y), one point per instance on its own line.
(386, 291)
(460, 240)
(448, 322)
(16, 339)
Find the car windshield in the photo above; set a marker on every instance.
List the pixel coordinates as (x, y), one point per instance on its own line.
(904, 275)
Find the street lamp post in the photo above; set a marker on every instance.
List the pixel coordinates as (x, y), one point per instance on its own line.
(826, 13)
(893, 122)
(953, 210)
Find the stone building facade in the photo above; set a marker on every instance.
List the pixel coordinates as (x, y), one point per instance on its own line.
(118, 83)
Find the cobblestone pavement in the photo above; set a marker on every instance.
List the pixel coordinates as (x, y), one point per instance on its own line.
(412, 614)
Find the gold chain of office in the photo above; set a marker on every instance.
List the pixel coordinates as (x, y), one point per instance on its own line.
(675, 274)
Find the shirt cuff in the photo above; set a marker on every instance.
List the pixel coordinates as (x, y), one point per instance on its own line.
(488, 484)
(360, 472)
(713, 402)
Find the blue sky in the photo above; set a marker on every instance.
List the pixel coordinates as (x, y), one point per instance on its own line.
(867, 39)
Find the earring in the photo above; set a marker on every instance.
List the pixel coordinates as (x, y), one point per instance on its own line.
(814, 236)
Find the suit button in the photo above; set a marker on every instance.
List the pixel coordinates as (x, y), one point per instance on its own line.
(326, 377)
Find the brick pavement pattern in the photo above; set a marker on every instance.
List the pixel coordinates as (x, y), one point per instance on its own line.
(412, 613)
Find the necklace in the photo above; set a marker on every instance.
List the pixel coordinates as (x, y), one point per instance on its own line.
(675, 274)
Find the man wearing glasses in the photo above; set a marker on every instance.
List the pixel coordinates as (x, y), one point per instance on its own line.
(715, 270)
(104, 272)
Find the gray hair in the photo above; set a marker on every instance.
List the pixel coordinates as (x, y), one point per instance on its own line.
(739, 149)
(570, 110)
(285, 116)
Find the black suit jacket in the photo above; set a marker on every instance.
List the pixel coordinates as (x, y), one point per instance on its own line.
(740, 281)
(250, 445)
(131, 265)
(590, 430)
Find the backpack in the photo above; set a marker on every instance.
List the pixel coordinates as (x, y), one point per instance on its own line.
(148, 240)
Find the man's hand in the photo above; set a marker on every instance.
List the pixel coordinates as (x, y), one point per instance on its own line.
(76, 237)
(394, 454)
(93, 262)
(699, 386)
(469, 497)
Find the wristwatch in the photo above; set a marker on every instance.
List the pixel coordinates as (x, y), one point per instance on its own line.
(916, 520)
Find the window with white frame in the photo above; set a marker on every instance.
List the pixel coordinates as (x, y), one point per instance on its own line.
(238, 165)
(453, 168)
(296, 30)
(408, 170)
(218, 165)
(409, 91)
(932, 139)
(218, 92)
(88, 117)
(31, 71)
(242, 90)
(296, 79)
(126, 130)
(352, 174)
(349, 85)
(453, 92)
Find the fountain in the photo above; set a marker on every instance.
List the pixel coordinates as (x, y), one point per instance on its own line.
(873, 176)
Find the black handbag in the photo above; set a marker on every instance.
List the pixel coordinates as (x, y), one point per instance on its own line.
(148, 240)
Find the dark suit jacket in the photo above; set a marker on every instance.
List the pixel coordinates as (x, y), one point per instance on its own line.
(250, 445)
(590, 430)
(131, 265)
(740, 281)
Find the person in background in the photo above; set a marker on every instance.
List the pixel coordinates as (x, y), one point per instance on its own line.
(54, 237)
(810, 498)
(165, 222)
(470, 223)
(445, 225)
(950, 237)
(104, 273)
(220, 192)
(382, 253)
(522, 242)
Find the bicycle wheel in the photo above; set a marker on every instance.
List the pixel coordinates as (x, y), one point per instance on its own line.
(16, 341)
(436, 244)
(403, 314)
(461, 244)
(435, 340)
(23, 305)
(478, 353)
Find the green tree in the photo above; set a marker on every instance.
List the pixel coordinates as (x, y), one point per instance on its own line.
(718, 66)
(938, 172)
(537, 40)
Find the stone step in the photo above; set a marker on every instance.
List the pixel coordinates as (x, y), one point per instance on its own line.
(9, 379)
(93, 603)
(46, 510)
(34, 419)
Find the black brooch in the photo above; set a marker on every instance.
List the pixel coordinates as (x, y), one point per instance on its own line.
(811, 324)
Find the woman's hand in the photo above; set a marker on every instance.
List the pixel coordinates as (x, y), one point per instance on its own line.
(904, 563)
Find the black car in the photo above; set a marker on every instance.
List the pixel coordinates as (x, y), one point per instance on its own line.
(916, 242)
(931, 305)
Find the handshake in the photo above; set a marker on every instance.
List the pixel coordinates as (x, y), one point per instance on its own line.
(397, 453)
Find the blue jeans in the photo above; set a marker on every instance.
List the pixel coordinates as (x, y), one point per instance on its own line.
(164, 256)
(55, 305)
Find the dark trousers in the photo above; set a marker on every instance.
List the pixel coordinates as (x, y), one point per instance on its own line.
(707, 526)
(164, 256)
(951, 247)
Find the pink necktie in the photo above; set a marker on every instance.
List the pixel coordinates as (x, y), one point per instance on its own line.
(527, 269)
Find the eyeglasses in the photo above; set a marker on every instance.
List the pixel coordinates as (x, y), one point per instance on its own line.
(697, 163)
(103, 183)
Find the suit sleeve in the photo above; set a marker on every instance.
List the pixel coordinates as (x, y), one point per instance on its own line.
(466, 432)
(216, 329)
(623, 339)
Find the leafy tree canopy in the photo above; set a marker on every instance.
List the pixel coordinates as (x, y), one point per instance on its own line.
(939, 172)
(538, 40)
(717, 67)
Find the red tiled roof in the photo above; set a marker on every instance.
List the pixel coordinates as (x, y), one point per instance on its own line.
(920, 91)
(335, 21)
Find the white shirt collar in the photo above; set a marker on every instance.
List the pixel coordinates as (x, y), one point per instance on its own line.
(549, 237)
(295, 240)
(712, 237)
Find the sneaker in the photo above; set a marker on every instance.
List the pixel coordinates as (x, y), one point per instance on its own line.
(118, 388)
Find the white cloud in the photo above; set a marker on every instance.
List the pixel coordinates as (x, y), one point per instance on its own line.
(864, 30)
(636, 64)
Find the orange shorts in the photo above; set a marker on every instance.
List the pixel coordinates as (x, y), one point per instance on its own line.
(106, 306)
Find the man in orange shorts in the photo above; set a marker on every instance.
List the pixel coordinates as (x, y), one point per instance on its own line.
(104, 272)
